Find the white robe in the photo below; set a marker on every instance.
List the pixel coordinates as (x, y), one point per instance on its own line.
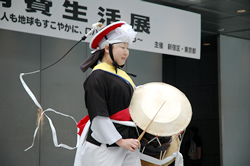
(88, 154)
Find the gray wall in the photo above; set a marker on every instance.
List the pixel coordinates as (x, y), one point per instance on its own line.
(59, 87)
(234, 82)
(19, 52)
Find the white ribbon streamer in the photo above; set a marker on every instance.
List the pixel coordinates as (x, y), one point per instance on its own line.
(53, 130)
(32, 96)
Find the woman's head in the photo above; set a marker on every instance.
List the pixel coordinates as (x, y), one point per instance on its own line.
(120, 53)
(114, 41)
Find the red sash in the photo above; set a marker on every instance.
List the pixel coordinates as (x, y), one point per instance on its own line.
(122, 115)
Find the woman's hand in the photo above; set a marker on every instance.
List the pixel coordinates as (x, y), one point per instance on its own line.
(130, 144)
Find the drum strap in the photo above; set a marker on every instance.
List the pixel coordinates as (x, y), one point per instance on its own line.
(151, 148)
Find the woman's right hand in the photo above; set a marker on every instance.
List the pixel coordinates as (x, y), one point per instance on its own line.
(130, 144)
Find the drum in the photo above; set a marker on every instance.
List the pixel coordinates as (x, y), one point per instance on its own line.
(162, 149)
(164, 112)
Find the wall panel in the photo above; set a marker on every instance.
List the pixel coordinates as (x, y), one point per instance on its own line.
(234, 99)
(62, 90)
(20, 52)
(146, 65)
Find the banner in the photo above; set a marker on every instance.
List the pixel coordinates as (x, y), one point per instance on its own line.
(160, 29)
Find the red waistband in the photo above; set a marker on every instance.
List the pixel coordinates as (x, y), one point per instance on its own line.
(122, 115)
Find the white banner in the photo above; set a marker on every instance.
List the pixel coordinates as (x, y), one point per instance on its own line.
(159, 28)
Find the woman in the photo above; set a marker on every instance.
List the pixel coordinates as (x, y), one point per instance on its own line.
(108, 91)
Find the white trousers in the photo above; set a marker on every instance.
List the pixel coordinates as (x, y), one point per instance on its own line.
(93, 155)
(88, 154)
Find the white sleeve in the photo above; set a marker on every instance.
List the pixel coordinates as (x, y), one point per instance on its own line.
(104, 130)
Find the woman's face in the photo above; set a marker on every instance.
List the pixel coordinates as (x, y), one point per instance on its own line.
(121, 52)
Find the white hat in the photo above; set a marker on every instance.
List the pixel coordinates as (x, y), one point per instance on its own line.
(116, 32)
